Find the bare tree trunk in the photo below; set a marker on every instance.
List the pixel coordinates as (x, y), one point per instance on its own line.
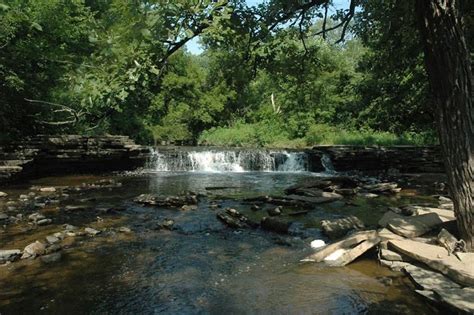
(449, 70)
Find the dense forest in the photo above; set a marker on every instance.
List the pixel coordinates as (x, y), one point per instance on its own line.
(121, 67)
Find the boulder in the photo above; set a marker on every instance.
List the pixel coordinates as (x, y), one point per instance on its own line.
(340, 227)
(34, 249)
(3, 194)
(3, 216)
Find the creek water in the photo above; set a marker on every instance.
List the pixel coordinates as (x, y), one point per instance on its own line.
(202, 266)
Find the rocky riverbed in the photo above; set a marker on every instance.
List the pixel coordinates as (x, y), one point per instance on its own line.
(199, 242)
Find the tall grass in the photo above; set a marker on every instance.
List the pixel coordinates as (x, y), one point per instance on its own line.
(275, 136)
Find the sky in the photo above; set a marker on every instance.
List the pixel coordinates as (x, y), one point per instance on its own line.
(194, 47)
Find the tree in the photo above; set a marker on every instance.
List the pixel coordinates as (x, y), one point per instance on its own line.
(448, 64)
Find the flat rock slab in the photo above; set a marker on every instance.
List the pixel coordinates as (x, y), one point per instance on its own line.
(346, 250)
(393, 265)
(437, 258)
(460, 299)
(386, 234)
(339, 227)
(389, 215)
(415, 225)
(429, 280)
(391, 255)
(445, 214)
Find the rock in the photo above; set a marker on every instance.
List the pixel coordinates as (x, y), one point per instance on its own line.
(367, 195)
(230, 221)
(429, 280)
(255, 208)
(382, 188)
(445, 215)
(389, 215)
(437, 258)
(125, 229)
(444, 200)
(447, 240)
(386, 234)
(47, 189)
(9, 255)
(325, 197)
(346, 191)
(274, 211)
(189, 207)
(346, 250)
(414, 226)
(91, 231)
(74, 208)
(275, 225)
(460, 299)
(168, 224)
(317, 244)
(3, 216)
(69, 227)
(52, 239)
(34, 249)
(393, 265)
(340, 227)
(35, 217)
(174, 201)
(51, 258)
(390, 255)
(59, 235)
(53, 248)
(3, 194)
(44, 222)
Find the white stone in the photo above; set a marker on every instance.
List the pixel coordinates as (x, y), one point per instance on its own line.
(317, 244)
(3, 194)
(91, 231)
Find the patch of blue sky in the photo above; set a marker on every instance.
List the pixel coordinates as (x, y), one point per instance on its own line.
(194, 47)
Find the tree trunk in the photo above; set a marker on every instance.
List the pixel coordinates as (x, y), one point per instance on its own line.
(448, 65)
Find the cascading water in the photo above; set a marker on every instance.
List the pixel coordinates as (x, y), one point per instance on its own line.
(327, 164)
(229, 161)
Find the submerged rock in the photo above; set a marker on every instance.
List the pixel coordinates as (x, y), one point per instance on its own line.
(275, 211)
(51, 258)
(275, 225)
(174, 202)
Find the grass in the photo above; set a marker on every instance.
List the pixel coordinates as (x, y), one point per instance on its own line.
(275, 136)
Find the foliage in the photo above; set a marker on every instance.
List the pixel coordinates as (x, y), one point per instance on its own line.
(118, 66)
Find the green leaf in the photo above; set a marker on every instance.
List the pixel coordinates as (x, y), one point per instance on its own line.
(4, 7)
(36, 26)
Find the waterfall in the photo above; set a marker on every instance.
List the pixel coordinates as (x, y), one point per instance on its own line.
(228, 161)
(327, 164)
